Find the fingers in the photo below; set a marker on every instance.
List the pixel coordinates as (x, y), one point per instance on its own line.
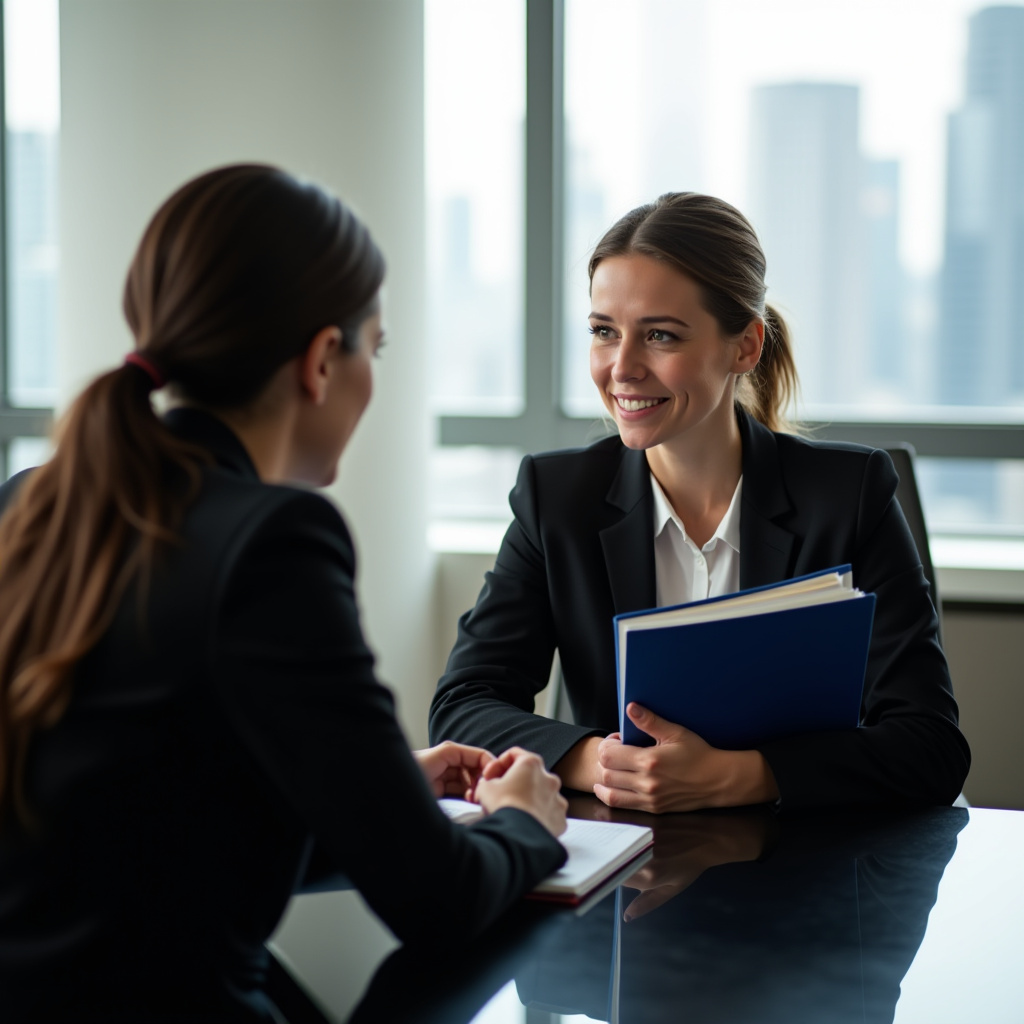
(524, 783)
(621, 756)
(637, 782)
(498, 766)
(626, 798)
(460, 755)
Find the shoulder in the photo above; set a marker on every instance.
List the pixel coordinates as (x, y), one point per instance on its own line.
(810, 469)
(815, 487)
(569, 469)
(574, 484)
(232, 515)
(830, 457)
(836, 468)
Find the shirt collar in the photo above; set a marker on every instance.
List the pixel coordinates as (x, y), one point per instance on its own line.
(728, 529)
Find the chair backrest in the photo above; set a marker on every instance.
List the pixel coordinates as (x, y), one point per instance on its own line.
(909, 498)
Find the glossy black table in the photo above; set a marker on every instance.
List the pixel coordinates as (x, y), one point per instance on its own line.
(741, 916)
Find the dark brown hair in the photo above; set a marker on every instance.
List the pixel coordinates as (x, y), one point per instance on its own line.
(713, 243)
(234, 275)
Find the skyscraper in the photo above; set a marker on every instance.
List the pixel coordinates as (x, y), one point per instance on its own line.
(32, 245)
(806, 183)
(981, 346)
(888, 359)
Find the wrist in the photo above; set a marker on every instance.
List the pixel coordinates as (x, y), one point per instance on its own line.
(578, 768)
(746, 779)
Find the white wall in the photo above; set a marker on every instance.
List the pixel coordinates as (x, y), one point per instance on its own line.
(155, 91)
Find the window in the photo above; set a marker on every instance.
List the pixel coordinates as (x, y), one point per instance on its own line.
(475, 86)
(28, 242)
(882, 177)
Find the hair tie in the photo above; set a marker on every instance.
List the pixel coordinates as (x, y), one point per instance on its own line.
(139, 360)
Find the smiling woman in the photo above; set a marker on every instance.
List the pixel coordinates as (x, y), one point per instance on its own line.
(700, 494)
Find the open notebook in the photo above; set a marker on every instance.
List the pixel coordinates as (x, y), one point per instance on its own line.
(597, 851)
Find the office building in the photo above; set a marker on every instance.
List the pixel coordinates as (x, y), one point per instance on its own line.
(888, 357)
(981, 343)
(32, 241)
(805, 202)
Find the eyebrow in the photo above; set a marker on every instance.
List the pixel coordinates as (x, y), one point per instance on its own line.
(645, 319)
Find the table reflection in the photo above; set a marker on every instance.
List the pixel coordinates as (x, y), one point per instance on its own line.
(739, 916)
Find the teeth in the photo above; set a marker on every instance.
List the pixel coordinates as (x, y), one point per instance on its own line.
(636, 404)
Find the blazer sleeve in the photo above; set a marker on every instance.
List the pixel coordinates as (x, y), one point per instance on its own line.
(505, 647)
(297, 682)
(908, 749)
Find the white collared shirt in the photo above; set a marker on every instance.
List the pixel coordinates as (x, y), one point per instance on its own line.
(685, 572)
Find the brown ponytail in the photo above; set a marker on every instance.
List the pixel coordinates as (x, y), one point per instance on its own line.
(63, 545)
(772, 385)
(712, 242)
(235, 274)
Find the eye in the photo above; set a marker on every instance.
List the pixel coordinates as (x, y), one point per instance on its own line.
(659, 335)
(601, 331)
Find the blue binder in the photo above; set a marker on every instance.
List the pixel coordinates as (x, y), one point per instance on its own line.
(739, 682)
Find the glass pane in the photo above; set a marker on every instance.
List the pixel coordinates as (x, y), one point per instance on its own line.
(32, 82)
(832, 127)
(472, 482)
(976, 496)
(26, 452)
(475, 112)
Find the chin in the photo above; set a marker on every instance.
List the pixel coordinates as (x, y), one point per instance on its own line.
(634, 439)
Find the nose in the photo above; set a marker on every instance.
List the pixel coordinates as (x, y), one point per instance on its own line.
(628, 364)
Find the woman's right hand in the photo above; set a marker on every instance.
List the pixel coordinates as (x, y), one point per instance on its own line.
(518, 779)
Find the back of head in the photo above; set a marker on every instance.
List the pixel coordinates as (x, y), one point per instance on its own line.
(714, 244)
(235, 274)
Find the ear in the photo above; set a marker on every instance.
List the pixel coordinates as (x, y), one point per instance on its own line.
(749, 346)
(317, 363)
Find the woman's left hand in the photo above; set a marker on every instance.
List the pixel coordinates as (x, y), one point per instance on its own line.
(680, 772)
(452, 769)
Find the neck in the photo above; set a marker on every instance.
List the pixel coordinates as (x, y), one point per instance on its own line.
(267, 439)
(699, 472)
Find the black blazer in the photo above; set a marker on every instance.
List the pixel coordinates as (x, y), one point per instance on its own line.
(581, 549)
(218, 728)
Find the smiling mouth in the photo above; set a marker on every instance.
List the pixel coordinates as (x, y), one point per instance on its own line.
(636, 404)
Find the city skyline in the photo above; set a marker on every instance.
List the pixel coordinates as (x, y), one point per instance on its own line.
(980, 340)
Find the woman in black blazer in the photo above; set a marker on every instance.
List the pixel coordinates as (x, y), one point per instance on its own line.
(696, 370)
(187, 703)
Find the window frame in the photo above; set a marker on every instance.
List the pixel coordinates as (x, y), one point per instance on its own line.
(543, 424)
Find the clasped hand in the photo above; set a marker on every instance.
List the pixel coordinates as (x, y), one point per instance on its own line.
(453, 769)
(515, 779)
(681, 772)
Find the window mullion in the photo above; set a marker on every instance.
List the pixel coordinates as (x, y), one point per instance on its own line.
(544, 223)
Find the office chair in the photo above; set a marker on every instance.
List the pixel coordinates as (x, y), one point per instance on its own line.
(909, 497)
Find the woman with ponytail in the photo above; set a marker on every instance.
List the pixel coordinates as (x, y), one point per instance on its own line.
(704, 491)
(187, 703)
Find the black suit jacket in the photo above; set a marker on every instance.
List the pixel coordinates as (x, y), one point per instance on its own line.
(220, 726)
(581, 549)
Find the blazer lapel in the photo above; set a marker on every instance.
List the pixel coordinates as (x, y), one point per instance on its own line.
(766, 549)
(628, 544)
